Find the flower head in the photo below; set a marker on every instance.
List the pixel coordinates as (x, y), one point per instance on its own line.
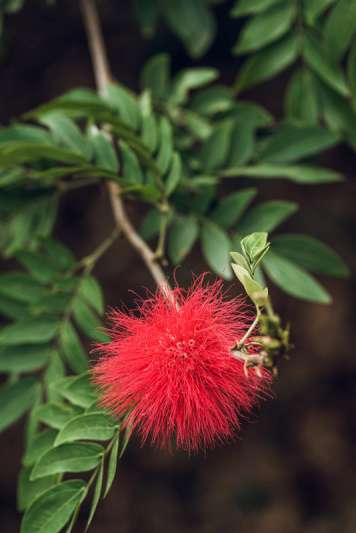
(170, 371)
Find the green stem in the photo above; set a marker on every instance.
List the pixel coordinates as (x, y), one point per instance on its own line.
(250, 329)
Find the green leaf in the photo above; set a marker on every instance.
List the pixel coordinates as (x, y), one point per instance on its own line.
(182, 237)
(97, 494)
(266, 28)
(51, 511)
(311, 254)
(59, 255)
(125, 103)
(294, 280)
(192, 22)
(212, 100)
(291, 143)
(165, 151)
(21, 287)
(232, 207)
(251, 7)
(87, 321)
(54, 371)
(93, 426)
(112, 464)
(314, 8)
(24, 358)
(91, 291)
(104, 153)
(149, 132)
(28, 491)
(339, 28)
(190, 79)
(266, 216)
(16, 152)
(316, 57)
(253, 289)
(72, 348)
(147, 15)
(41, 443)
(40, 267)
(305, 174)
(80, 391)
(302, 99)
(254, 246)
(150, 225)
(216, 248)
(131, 169)
(69, 457)
(11, 309)
(338, 114)
(55, 414)
(67, 133)
(156, 75)
(15, 399)
(216, 148)
(174, 175)
(268, 62)
(351, 72)
(30, 331)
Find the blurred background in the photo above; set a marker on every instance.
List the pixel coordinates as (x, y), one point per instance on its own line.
(292, 468)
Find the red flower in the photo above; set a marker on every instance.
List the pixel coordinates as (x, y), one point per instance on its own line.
(169, 368)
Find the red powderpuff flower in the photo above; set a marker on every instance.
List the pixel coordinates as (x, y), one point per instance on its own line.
(170, 371)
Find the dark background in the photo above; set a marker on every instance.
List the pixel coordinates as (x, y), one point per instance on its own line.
(293, 467)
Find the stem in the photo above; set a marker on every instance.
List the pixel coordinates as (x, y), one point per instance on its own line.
(250, 329)
(89, 261)
(103, 77)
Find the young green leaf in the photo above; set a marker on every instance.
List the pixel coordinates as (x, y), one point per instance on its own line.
(50, 512)
(69, 457)
(294, 280)
(216, 248)
(253, 289)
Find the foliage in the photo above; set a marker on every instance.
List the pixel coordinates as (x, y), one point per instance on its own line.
(170, 148)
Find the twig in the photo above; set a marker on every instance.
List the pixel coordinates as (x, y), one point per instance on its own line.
(103, 77)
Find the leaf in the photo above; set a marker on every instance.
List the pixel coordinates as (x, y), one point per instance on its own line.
(97, 494)
(59, 255)
(216, 247)
(216, 148)
(342, 17)
(87, 321)
(254, 246)
(266, 28)
(55, 414)
(11, 309)
(150, 225)
(24, 152)
(147, 15)
(192, 22)
(54, 371)
(165, 151)
(93, 426)
(149, 132)
(311, 254)
(294, 280)
(72, 348)
(51, 511)
(251, 7)
(131, 169)
(104, 153)
(314, 8)
(80, 391)
(268, 62)
(302, 99)
(338, 114)
(125, 103)
(112, 464)
(69, 457)
(174, 175)
(212, 100)
(156, 75)
(351, 72)
(15, 399)
(253, 289)
(190, 79)
(182, 237)
(291, 143)
(21, 287)
(28, 491)
(232, 207)
(67, 133)
(266, 216)
(305, 174)
(23, 358)
(316, 57)
(41, 443)
(91, 291)
(29, 331)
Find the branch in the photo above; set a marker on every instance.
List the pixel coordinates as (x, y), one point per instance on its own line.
(103, 77)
